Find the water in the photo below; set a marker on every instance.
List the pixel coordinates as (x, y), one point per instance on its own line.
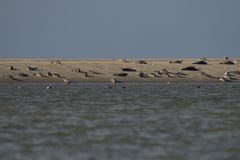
(142, 121)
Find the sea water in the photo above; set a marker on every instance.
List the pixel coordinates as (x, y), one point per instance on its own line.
(134, 122)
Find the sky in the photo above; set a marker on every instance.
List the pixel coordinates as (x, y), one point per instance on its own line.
(87, 29)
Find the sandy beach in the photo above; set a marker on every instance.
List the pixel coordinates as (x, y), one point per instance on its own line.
(152, 70)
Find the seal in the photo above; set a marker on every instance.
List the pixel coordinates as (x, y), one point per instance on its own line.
(176, 62)
(113, 80)
(48, 87)
(200, 62)
(66, 81)
(224, 79)
(32, 68)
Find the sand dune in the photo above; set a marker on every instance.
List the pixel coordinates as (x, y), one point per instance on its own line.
(48, 71)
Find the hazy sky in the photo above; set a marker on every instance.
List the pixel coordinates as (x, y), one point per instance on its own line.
(119, 28)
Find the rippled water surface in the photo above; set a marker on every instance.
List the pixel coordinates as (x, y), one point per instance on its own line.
(142, 121)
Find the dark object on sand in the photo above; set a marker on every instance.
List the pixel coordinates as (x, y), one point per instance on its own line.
(56, 62)
(78, 70)
(120, 74)
(190, 68)
(49, 74)
(153, 75)
(86, 74)
(56, 75)
(93, 71)
(128, 70)
(200, 62)
(235, 72)
(11, 68)
(141, 62)
(177, 62)
(9, 77)
(22, 74)
(143, 75)
(206, 75)
(227, 62)
(32, 68)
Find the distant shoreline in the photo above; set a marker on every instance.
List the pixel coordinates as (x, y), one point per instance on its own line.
(101, 71)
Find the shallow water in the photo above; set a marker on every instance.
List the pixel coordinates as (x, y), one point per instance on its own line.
(142, 121)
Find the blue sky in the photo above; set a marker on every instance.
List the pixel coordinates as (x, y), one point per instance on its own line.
(119, 28)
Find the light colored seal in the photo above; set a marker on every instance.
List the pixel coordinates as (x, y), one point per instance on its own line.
(113, 80)
(66, 81)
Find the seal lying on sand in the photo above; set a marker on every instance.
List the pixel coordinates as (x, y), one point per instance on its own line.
(190, 68)
(229, 75)
(200, 62)
(153, 75)
(56, 62)
(22, 75)
(180, 75)
(10, 77)
(120, 74)
(78, 70)
(143, 75)
(56, 75)
(141, 62)
(176, 62)
(128, 70)
(206, 75)
(32, 68)
(49, 74)
(164, 71)
(39, 75)
(93, 71)
(11, 68)
(224, 79)
(227, 62)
